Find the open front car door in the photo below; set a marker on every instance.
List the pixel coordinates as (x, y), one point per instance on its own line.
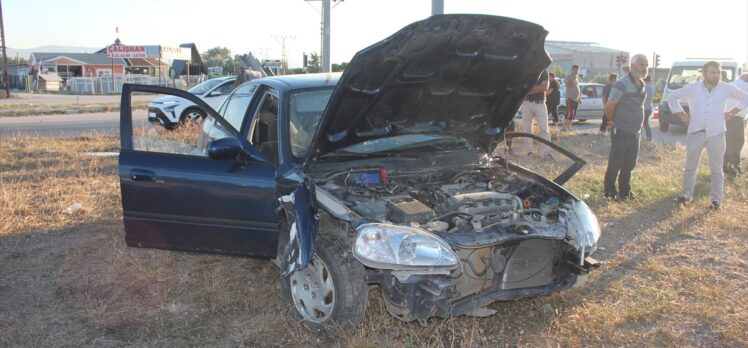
(200, 186)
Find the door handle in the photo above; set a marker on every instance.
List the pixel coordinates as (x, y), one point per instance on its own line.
(142, 175)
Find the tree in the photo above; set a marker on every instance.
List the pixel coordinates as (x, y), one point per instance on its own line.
(220, 56)
(313, 64)
(339, 67)
(557, 70)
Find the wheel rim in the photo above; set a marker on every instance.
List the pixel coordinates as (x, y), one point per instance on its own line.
(313, 291)
(194, 115)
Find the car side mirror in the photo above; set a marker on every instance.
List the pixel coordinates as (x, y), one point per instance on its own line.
(215, 93)
(227, 149)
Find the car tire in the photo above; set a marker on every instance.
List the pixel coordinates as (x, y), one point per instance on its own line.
(341, 304)
(191, 115)
(663, 125)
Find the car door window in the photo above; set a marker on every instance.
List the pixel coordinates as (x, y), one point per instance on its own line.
(225, 88)
(264, 132)
(233, 110)
(183, 138)
(588, 92)
(598, 91)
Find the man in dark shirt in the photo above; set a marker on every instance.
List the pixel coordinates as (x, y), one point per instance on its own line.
(606, 93)
(625, 110)
(553, 97)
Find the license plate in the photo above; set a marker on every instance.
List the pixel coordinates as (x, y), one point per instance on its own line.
(151, 114)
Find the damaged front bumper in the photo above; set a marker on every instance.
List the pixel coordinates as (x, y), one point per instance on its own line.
(527, 268)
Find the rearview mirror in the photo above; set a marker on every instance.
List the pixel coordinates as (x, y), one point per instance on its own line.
(215, 93)
(227, 149)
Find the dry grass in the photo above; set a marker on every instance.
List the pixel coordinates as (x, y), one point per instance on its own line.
(52, 109)
(671, 276)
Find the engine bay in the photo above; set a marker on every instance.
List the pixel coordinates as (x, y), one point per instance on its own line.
(468, 207)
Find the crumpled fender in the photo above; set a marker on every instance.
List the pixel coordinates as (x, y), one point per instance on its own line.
(301, 211)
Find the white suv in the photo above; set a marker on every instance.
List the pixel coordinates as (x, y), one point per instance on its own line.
(169, 111)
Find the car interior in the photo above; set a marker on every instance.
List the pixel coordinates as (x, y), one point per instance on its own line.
(264, 135)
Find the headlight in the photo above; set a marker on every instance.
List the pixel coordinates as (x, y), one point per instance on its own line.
(585, 227)
(401, 247)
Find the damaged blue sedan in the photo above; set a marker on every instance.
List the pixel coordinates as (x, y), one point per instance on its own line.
(382, 176)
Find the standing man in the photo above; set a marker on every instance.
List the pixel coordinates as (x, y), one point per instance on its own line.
(533, 108)
(572, 96)
(706, 127)
(606, 93)
(553, 96)
(735, 135)
(649, 89)
(625, 116)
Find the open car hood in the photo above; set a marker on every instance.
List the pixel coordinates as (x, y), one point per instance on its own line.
(464, 75)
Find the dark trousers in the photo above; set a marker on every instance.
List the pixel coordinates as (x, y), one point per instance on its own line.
(647, 114)
(624, 150)
(604, 123)
(552, 110)
(571, 108)
(735, 138)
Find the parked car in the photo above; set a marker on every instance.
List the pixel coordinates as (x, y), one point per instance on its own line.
(379, 177)
(683, 73)
(170, 111)
(591, 107)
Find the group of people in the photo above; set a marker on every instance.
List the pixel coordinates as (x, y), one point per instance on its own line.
(542, 101)
(709, 126)
(628, 105)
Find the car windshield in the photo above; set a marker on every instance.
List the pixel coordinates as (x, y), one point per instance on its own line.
(398, 143)
(683, 75)
(306, 109)
(204, 87)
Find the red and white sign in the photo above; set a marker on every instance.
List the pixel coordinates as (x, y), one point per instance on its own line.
(179, 53)
(122, 51)
(154, 51)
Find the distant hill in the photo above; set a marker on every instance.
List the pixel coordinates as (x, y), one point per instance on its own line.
(26, 52)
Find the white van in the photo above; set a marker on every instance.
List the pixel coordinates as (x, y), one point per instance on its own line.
(683, 73)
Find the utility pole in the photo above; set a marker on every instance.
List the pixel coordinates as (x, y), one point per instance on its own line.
(437, 7)
(281, 39)
(5, 56)
(326, 36)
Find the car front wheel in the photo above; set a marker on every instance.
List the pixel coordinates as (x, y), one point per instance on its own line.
(192, 115)
(330, 294)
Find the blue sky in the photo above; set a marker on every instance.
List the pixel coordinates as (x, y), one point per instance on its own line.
(676, 30)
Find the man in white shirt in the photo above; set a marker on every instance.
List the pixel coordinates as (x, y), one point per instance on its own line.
(706, 127)
(735, 134)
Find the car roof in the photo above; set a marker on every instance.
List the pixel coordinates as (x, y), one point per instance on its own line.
(302, 81)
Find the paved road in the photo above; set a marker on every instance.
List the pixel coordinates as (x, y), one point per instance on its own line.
(71, 99)
(64, 125)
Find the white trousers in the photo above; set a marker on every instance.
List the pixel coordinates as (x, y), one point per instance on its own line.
(539, 113)
(715, 149)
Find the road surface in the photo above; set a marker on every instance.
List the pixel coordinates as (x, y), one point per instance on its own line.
(65, 125)
(67, 99)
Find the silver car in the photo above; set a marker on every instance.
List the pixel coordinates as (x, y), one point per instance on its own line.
(591, 107)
